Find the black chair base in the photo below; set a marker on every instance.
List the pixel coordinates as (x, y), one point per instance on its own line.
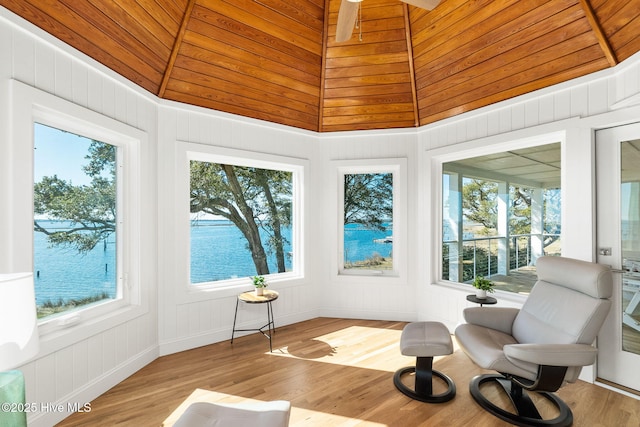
(527, 414)
(424, 382)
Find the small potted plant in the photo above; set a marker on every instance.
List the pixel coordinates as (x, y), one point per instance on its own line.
(260, 283)
(482, 286)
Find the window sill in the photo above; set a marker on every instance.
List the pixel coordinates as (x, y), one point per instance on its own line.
(231, 288)
(74, 331)
(371, 277)
(498, 294)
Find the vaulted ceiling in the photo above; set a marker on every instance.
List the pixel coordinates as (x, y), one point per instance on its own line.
(277, 60)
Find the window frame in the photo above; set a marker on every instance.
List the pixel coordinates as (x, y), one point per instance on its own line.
(436, 158)
(398, 167)
(30, 106)
(123, 296)
(189, 151)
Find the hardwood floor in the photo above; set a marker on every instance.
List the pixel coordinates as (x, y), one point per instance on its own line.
(335, 372)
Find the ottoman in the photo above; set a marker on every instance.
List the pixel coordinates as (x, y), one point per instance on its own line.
(424, 340)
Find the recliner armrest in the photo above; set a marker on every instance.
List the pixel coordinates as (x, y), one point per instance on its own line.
(498, 318)
(552, 354)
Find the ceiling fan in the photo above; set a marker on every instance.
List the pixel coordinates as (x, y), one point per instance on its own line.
(348, 14)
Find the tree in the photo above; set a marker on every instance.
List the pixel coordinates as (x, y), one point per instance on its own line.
(368, 199)
(279, 207)
(479, 206)
(520, 210)
(90, 210)
(252, 199)
(479, 203)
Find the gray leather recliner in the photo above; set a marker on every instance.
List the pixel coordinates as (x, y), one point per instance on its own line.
(543, 345)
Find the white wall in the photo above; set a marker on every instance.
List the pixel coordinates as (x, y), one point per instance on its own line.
(192, 319)
(367, 297)
(79, 370)
(86, 362)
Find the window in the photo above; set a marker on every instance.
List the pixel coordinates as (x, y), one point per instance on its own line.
(367, 219)
(241, 221)
(51, 137)
(371, 233)
(500, 212)
(245, 217)
(75, 221)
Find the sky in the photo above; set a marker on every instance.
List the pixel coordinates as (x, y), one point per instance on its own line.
(60, 153)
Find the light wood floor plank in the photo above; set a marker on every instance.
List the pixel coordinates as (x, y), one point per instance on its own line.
(335, 372)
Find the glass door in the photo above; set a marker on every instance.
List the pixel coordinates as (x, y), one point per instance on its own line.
(618, 213)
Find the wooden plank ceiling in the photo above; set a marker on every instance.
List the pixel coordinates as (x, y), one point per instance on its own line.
(277, 60)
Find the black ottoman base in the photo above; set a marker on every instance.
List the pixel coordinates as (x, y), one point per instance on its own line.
(423, 389)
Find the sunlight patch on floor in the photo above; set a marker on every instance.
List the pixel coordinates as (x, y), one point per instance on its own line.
(354, 346)
(349, 347)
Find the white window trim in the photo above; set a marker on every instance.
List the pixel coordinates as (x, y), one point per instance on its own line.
(398, 167)
(435, 158)
(30, 105)
(188, 151)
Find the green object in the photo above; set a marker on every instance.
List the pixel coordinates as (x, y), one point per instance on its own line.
(483, 284)
(12, 399)
(259, 281)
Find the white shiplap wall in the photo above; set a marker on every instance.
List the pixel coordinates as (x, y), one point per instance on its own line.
(76, 370)
(83, 369)
(367, 297)
(196, 319)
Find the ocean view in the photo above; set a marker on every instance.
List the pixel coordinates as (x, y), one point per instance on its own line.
(92, 273)
(218, 252)
(361, 243)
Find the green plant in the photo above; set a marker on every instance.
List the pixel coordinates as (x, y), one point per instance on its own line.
(483, 284)
(49, 307)
(259, 281)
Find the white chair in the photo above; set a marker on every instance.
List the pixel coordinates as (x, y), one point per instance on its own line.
(543, 345)
(254, 414)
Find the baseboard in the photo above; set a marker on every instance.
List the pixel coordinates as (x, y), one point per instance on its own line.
(64, 407)
(224, 334)
(369, 315)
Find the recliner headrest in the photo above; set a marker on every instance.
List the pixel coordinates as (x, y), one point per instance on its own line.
(586, 277)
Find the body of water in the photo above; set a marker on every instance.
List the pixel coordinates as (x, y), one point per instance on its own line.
(218, 252)
(63, 273)
(361, 243)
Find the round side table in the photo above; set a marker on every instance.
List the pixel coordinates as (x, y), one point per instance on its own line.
(250, 297)
(481, 301)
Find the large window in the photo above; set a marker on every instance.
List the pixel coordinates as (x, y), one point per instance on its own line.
(243, 219)
(80, 214)
(500, 213)
(367, 219)
(75, 221)
(371, 233)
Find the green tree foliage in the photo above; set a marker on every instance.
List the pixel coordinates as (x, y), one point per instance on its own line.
(552, 215)
(252, 199)
(90, 210)
(479, 203)
(480, 206)
(368, 199)
(520, 210)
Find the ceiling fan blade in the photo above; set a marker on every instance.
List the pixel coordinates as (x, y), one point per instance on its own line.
(423, 4)
(346, 20)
